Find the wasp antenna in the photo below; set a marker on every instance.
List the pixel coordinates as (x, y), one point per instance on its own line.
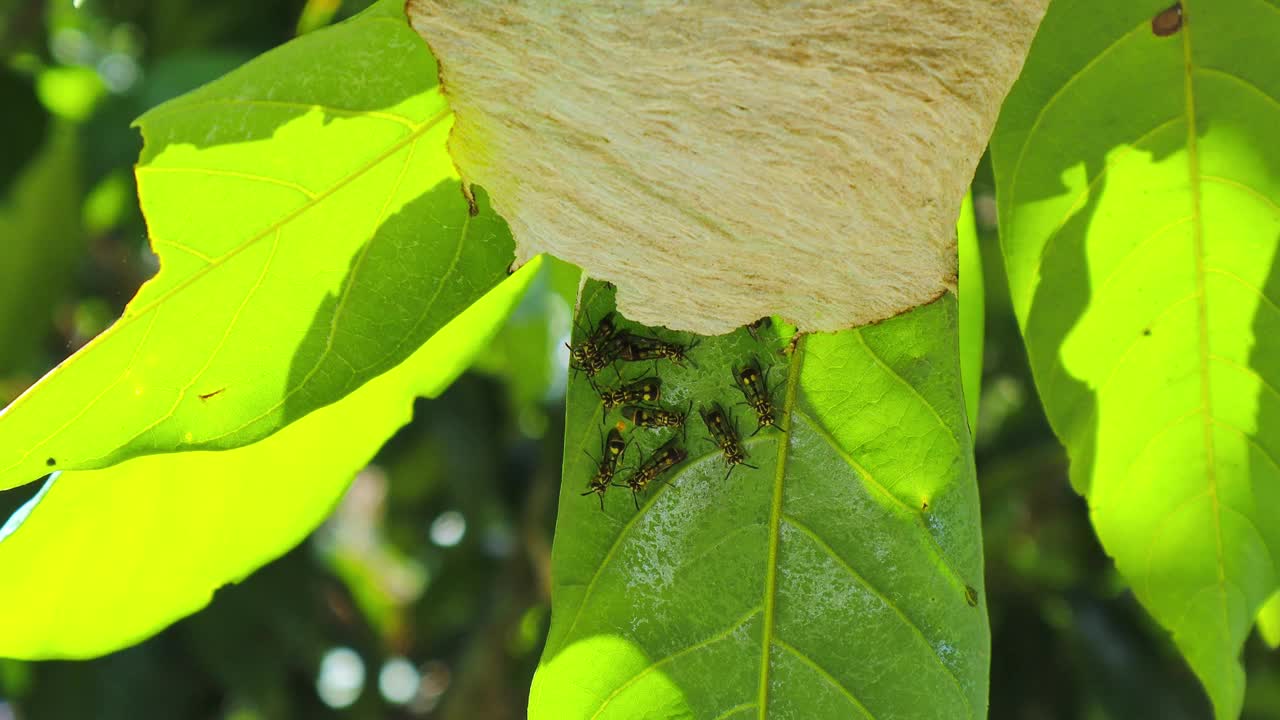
(758, 429)
(601, 502)
(635, 500)
(753, 467)
(584, 494)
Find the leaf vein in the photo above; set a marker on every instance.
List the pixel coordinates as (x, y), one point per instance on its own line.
(1146, 447)
(822, 672)
(1247, 84)
(858, 578)
(737, 625)
(1247, 371)
(947, 430)
(1246, 189)
(736, 709)
(930, 542)
(236, 174)
(1202, 308)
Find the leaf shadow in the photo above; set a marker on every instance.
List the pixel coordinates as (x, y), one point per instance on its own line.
(333, 70)
(1064, 295)
(424, 265)
(1264, 359)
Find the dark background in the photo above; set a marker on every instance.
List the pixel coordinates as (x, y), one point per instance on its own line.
(425, 595)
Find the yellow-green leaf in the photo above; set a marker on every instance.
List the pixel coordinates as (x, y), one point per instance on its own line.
(311, 233)
(1137, 162)
(101, 559)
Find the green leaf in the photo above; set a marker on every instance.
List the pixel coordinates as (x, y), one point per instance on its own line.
(833, 581)
(311, 233)
(107, 557)
(972, 296)
(1138, 179)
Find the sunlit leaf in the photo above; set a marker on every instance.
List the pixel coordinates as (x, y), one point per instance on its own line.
(841, 577)
(1138, 175)
(108, 557)
(311, 233)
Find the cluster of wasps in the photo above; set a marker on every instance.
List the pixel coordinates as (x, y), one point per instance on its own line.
(639, 400)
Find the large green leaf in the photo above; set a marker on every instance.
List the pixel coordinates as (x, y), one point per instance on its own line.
(835, 580)
(1138, 175)
(103, 558)
(312, 234)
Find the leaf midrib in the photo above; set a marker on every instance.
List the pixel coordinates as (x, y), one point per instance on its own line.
(775, 526)
(1202, 311)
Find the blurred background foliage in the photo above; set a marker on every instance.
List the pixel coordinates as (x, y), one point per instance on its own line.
(425, 594)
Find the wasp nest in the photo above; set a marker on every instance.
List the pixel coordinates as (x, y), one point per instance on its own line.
(720, 161)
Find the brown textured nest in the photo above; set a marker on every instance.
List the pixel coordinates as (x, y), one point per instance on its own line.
(720, 161)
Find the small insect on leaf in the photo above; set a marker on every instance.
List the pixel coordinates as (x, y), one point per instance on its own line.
(1167, 21)
(755, 327)
(610, 456)
(654, 417)
(661, 461)
(595, 351)
(750, 380)
(635, 348)
(646, 390)
(725, 436)
(971, 595)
